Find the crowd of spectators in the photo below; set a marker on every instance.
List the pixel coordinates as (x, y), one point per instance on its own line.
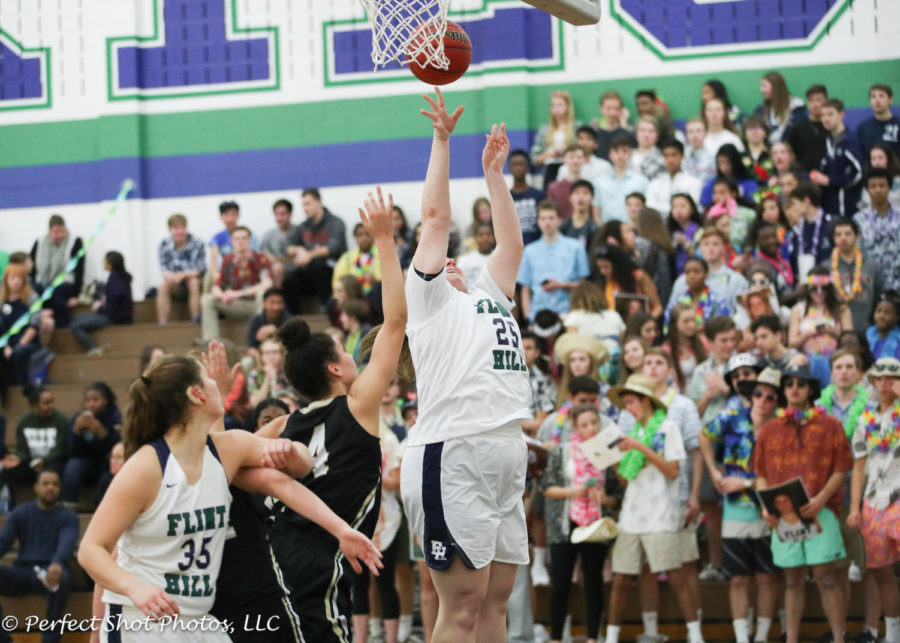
(665, 264)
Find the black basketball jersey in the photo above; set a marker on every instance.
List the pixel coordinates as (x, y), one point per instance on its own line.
(346, 471)
(246, 576)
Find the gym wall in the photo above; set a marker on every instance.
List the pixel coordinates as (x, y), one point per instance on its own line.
(253, 100)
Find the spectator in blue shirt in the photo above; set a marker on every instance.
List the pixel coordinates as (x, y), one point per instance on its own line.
(611, 190)
(47, 533)
(92, 434)
(884, 335)
(524, 196)
(182, 260)
(551, 266)
(883, 126)
(116, 306)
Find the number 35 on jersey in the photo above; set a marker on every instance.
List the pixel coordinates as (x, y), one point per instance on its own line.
(507, 355)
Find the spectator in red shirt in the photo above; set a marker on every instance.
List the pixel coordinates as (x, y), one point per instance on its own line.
(244, 277)
(803, 441)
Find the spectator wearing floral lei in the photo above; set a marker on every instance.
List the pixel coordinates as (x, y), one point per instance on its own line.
(757, 159)
(875, 495)
(804, 441)
(846, 399)
(361, 262)
(819, 317)
(769, 251)
(705, 301)
(649, 520)
(858, 281)
(785, 164)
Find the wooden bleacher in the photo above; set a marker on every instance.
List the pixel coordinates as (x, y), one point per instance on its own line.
(71, 371)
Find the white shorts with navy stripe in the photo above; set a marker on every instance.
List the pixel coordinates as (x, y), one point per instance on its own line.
(463, 498)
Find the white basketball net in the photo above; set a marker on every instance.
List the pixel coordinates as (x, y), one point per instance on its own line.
(393, 24)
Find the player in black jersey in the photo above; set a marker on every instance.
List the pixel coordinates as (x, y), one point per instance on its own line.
(249, 592)
(341, 429)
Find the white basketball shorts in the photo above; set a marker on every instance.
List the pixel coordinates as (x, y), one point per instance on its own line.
(464, 497)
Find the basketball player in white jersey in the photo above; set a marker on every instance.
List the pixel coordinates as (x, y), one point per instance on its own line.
(463, 476)
(168, 508)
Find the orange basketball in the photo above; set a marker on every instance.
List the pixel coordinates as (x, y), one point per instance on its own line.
(457, 48)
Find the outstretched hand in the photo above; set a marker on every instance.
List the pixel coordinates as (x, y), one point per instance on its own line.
(443, 123)
(496, 149)
(215, 360)
(378, 217)
(359, 549)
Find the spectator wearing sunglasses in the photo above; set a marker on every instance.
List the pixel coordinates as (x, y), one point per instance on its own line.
(875, 502)
(818, 319)
(745, 535)
(804, 441)
(740, 366)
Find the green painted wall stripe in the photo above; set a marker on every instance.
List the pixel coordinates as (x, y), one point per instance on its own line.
(387, 118)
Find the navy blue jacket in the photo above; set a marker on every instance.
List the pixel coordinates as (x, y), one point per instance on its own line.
(119, 305)
(843, 165)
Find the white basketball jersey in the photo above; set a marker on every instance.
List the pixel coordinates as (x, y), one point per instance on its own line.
(177, 543)
(470, 366)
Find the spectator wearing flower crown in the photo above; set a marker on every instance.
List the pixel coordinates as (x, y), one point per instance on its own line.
(804, 441)
(858, 281)
(875, 501)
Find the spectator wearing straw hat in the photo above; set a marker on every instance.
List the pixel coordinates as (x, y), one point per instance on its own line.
(745, 536)
(659, 367)
(875, 494)
(803, 441)
(578, 355)
(648, 522)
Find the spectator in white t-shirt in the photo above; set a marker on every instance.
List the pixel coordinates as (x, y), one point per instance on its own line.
(719, 129)
(672, 181)
(474, 262)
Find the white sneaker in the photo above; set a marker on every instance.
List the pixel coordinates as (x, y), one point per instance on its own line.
(711, 573)
(567, 630)
(540, 577)
(854, 573)
(540, 634)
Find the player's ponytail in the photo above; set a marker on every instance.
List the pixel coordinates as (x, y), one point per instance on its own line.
(307, 358)
(158, 400)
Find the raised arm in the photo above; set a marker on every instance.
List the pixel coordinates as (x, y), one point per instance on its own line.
(431, 254)
(504, 262)
(366, 392)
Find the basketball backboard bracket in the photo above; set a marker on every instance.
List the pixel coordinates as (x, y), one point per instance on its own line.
(575, 12)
